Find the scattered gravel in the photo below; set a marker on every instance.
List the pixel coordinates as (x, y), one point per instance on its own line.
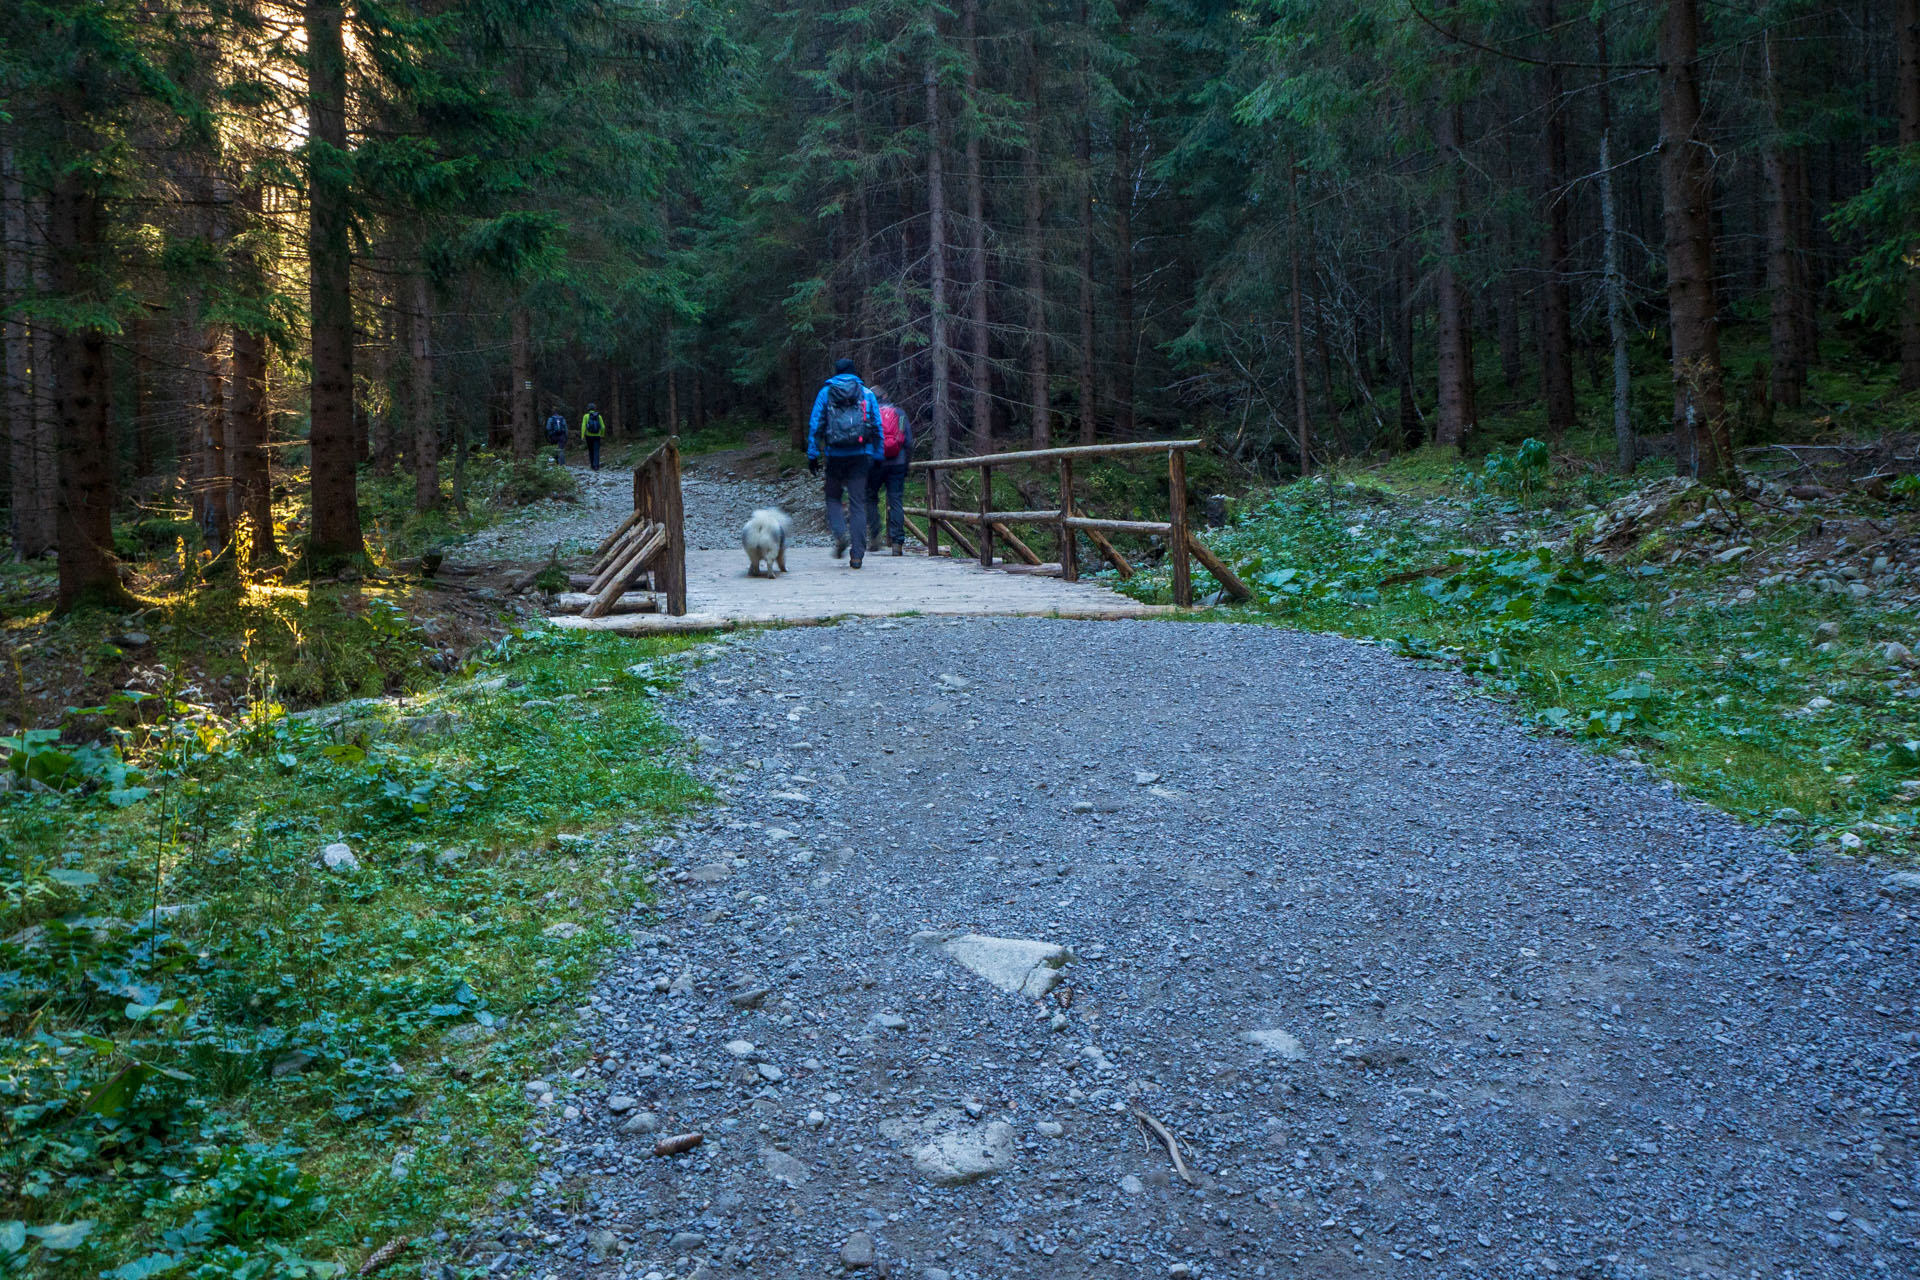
(1516, 1010)
(716, 502)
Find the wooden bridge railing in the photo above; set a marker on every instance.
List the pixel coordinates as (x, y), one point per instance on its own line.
(1181, 543)
(653, 538)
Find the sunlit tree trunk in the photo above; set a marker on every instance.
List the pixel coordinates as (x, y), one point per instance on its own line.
(335, 536)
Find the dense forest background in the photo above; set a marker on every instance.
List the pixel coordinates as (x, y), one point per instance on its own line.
(257, 249)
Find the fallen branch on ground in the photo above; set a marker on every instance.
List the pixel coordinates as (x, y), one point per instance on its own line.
(1161, 1132)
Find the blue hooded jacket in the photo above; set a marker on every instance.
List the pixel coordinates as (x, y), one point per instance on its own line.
(816, 443)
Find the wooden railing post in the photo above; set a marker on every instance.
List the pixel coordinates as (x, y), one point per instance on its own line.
(672, 576)
(986, 511)
(1069, 556)
(936, 482)
(1177, 539)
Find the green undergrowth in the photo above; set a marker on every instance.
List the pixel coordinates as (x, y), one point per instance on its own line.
(1743, 702)
(220, 1056)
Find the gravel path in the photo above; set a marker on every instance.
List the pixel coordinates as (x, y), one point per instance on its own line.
(1523, 1012)
(716, 504)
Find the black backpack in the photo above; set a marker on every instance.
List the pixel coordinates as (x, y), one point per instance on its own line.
(847, 422)
(556, 429)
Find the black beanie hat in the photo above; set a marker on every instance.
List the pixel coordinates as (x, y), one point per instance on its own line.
(842, 365)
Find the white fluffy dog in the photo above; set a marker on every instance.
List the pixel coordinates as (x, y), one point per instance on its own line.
(765, 540)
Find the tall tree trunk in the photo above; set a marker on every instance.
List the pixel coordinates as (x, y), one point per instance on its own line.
(1413, 432)
(982, 375)
(1616, 284)
(1784, 167)
(1455, 354)
(1123, 334)
(1083, 149)
(247, 444)
(1906, 22)
(940, 428)
(46, 376)
(525, 440)
(420, 408)
(1699, 398)
(1556, 306)
(381, 424)
(335, 536)
(1036, 212)
(1302, 420)
(76, 227)
(213, 479)
(29, 451)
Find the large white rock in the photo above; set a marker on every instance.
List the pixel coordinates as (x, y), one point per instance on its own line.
(339, 857)
(962, 1155)
(1275, 1041)
(1019, 965)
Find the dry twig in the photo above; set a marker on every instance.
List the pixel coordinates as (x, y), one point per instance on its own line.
(1161, 1132)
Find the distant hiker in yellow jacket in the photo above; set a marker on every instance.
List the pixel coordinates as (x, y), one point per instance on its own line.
(593, 429)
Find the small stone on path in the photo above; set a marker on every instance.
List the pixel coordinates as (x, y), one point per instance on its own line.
(1274, 1040)
(1021, 966)
(857, 1252)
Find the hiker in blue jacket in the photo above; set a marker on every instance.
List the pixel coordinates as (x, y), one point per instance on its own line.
(844, 435)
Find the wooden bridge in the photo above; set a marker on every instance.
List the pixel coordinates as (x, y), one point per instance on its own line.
(643, 578)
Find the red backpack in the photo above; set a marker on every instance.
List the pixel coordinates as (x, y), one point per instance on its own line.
(893, 439)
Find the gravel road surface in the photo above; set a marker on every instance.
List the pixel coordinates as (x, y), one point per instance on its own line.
(1416, 994)
(716, 502)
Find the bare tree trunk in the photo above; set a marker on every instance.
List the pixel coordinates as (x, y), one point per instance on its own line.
(247, 443)
(525, 441)
(76, 228)
(1036, 211)
(1083, 154)
(1616, 285)
(1784, 166)
(941, 427)
(381, 424)
(32, 504)
(796, 401)
(1556, 305)
(673, 402)
(335, 536)
(1906, 23)
(1413, 432)
(1123, 336)
(210, 429)
(46, 377)
(420, 408)
(1455, 355)
(1303, 426)
(1700, 411)
(982, 375)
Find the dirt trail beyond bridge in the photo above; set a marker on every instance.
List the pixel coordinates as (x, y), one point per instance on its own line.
(1416, 994)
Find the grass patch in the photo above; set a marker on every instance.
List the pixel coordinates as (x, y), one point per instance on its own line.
(220, 1056)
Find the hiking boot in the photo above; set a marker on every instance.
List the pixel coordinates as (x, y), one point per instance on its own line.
(899, 548)
(839, 547)
(853, 564)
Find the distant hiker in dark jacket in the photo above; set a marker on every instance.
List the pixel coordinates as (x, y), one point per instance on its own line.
(557, 436)
(844, 433)
(887, 479)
